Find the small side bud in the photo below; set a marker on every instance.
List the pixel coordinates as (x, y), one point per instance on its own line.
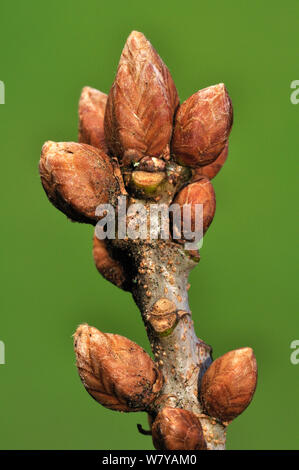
(228, 385)
(92, 106)
(202, 126)
(177, 429)
(199, 192)
(116, 372)
(141, 103)
(211, 170)
(77, 178)
(110, 268)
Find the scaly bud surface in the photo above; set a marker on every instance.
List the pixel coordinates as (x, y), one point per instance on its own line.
(199, 192)
(110, 268)
(177, 429)
(92, 107)
(77, 178)
(116, 372)
(141, 103)
(202, 126)
(211, 170)
(229, 383)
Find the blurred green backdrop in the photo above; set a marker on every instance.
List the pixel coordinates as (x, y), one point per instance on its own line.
(244, 290)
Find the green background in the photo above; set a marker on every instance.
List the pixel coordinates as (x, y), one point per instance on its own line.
(244, 290)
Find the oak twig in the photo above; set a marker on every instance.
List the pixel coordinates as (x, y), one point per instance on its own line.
(140, 151)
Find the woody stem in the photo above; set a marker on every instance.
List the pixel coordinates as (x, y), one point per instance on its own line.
(162, 270)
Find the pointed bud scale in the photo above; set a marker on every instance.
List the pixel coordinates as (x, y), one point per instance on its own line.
(116, 372)
(199, 192)
(211, 170)
(92, 106)
(110, 268)
(177, 429)
(141, 103)
(229, 383)
(77, 178)
(202, 126)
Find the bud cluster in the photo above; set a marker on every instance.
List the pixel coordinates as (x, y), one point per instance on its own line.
(140, 142)
(140, 138)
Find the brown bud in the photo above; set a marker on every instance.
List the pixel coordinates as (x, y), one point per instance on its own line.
(116, 372)
(199, 192)
(177, 429)
(228, 385)
(110, 268)
(163, 316)
(202, 126)
(92, 106)
(141, 103)
(211, 170)
(77, 178)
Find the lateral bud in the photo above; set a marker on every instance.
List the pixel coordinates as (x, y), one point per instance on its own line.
(115, 371)
(177, 429)
(92, 106)
(228, 385)
(211, 170)
(202, 126)
(110, 268)
(77, 178)
(199, 192)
